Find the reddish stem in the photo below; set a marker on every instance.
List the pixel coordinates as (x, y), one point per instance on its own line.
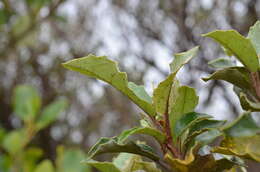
(256, 83)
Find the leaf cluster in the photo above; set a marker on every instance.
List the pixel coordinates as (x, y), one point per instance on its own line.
(184, 135)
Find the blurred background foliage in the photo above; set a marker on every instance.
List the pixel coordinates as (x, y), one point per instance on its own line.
(36, 36)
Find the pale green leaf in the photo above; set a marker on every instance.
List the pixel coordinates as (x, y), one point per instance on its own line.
(50, 113)
(135, 163)
(122, 160)
(26, 102)
(45, 166)
(102, 166)
(221, 63)
(14, 141)
(240, 46)
(130, 162)
(139, 90)
(254, 35)
(69, 161)
(107, 70)
(181, 59)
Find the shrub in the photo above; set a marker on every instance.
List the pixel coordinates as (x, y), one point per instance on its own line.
(184, 136)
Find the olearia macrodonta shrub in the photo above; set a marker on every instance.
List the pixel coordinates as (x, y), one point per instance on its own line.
(184, 135)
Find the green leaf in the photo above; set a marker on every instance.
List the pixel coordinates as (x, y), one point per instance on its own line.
(207, 123)
(242, 138)
(158, 135)
(139, 90)
(102, 166)
(45, 166)
(247, 104)
(122, 160)
(69, 160)
(221, 63)
(240, 46)
(130, 162)
(14, 141)
(183, 130)
(27, 102)
(31, 158)
(36, 5)
(107, 70)
(244, 126)
(185, 101)
(161, 95)
(187, 121)
(227, 52)
(135, 163)
(110, 145)
(208, 136)
(244, 147)
(254, 35)
(4, 16)
(237, 76)
(199, 127)
(184, 164)
(50, 113)
(181, 59)
(21, 24)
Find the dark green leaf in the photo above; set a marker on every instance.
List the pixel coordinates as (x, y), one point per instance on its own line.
(247, 104)
(159, 136)
(106, 145)
(186, 121)
(237, 76)
(185, 101)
